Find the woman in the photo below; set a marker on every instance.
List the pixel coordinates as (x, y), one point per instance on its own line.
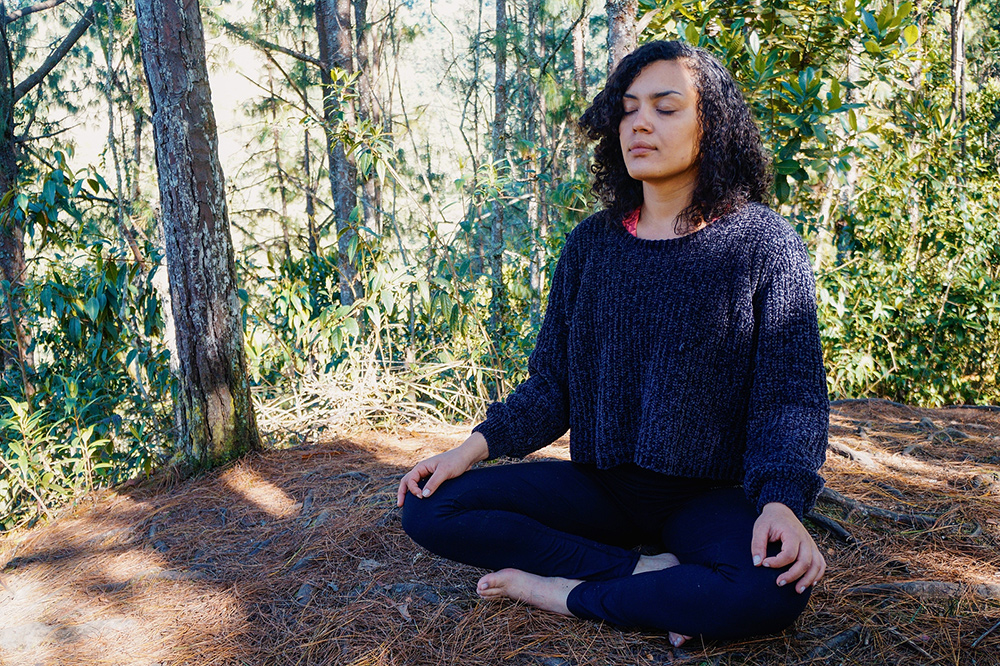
(680, 347)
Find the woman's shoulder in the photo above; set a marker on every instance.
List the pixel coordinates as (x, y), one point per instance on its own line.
(596, 224)
(589, 232)
(767, 230)
(763, 220)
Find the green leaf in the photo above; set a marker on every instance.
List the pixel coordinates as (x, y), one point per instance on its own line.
(911, 34)
(92, 308)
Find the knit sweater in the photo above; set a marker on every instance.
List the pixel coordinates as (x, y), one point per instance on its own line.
(696, 356)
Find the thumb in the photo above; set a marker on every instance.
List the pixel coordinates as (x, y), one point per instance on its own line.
(758, 545)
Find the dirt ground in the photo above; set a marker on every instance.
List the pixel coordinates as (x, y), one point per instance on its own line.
(296, 556)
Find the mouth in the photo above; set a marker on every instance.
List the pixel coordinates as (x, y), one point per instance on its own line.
(640, 148)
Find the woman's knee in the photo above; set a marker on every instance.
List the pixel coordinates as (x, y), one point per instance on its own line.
(758, 606)
(422, 519)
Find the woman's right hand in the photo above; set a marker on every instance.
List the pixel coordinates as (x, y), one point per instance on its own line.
(442, 467)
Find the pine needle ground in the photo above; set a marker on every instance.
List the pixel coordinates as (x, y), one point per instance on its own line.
(296, 556)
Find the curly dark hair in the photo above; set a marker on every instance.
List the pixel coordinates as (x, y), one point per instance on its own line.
(733, 165)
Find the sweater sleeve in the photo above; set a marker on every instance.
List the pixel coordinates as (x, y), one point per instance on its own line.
(788, 414)
(536, 413)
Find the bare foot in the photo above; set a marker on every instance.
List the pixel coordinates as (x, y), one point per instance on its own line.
(655, 563)
(546, 593)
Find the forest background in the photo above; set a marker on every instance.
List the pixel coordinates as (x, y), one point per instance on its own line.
(401, 177)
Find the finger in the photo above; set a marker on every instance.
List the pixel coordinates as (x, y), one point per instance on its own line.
(401, 492)
(437, 478)
(758, 544)
(809, 579)
(789, 553)
(814, 574)
(800, 567)
(412, 483)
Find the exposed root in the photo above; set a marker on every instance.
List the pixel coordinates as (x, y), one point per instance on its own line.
(931, 590)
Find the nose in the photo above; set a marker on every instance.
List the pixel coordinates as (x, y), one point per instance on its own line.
(641, 119)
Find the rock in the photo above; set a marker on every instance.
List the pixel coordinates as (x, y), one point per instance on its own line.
(368, 565)
(927, 424)
(304, 561)
(307, 503)
(320, 518)
(305, 594)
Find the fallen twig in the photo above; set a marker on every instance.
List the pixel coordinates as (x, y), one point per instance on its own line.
(838, 642)
(927, 590)
(908, 641)
(860, 457)
(986, 633)
(831, 526)
(985, 408)
(854, 506)
(862, 401)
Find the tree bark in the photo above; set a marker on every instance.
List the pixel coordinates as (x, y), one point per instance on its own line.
(12, 261)
(958, 56)
(579, 62)
(498, 297)
(333, 25)
(368, 110)
(214, 413)
(621, 30)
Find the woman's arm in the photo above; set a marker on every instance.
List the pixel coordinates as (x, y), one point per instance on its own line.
(536, 413)
(788, 416)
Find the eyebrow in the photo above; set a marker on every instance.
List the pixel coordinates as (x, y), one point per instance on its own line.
(654, 95)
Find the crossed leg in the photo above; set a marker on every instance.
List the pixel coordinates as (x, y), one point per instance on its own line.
(568, 543)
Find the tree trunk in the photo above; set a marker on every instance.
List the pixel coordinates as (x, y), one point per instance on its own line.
(282, 193)
(333, 25)
(310, 199)
(368, 110)
(12, 262)
(579, 62)
(214, 413)
(497, 300)
(621, 30)
(958, 57)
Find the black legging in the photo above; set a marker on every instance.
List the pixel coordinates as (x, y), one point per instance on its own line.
(559, 518)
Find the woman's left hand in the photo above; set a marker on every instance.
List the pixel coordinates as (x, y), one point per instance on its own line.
(778, 523)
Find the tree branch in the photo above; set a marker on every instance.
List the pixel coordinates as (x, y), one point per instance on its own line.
(58, 54)
(261, 43)
(24, 11)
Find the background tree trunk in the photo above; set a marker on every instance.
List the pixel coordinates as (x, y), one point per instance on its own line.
(621, 30)
(12, 263)
(499, 158)
(368, 109)
(214, 413)
(958, 56)
(333, 25)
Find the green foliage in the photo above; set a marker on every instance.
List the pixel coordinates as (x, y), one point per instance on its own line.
(95, 414)
(896, 197)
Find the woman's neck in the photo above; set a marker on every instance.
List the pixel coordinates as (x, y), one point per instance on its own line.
(661, 205)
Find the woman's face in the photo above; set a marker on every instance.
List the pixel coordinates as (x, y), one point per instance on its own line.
(659, 129)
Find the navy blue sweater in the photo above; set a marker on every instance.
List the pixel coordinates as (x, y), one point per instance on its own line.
(697, 356)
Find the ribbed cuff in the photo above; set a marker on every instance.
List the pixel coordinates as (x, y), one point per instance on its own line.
(495, 432)
(781, 490)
